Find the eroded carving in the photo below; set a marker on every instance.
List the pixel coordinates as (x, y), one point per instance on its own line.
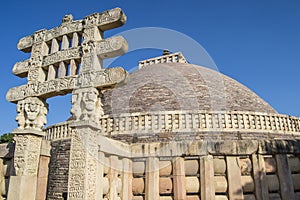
(31, 113)
(26, 157)
(86, 105)
(98, 79)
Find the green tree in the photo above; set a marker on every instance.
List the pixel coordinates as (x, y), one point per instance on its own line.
(6, 138)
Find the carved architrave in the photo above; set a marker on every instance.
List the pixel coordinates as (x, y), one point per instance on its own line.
(98, 79)
(27, 153)
(31, 113)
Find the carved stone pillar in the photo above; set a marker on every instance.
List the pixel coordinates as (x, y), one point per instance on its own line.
(31, 118)
(86, 112)
(83, 169)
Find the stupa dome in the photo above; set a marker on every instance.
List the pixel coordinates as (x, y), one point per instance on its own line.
(181, 86)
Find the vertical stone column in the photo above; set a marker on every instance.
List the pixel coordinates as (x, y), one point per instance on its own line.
(285, 177)
(207, 178)
(26, 161)
(126, 179)
(83, 170)
(152, 179)
(43, 171)
(259, 174)
(235, 189)
(31, 118)
(179, 179)
(113, 178)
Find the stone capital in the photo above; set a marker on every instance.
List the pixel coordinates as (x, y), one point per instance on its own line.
(28, 132)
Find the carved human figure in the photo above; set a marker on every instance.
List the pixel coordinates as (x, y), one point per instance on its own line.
(76, 108)
(31, 113)
(20, 116)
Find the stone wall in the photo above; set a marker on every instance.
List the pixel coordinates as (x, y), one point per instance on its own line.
(59, 169)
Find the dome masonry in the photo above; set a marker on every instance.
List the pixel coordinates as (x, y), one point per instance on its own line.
(181, 86)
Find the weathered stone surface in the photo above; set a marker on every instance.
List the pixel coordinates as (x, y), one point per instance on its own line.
(138, 186)
(42, 180)
(247, 184)
(270, 165)
(192, 184)
(179, 181)
(165, 186)
(294, 164)
(273, 183)
(58, 181)
(249, 197)
(245, 166)
(32, 113)
(22, 187)
(219, 166)
(138, 168)
(152, 179)
(221, 197)
(220, 184)
(165, 168)
(193, 197)
(285, 177)
(296, 181)
(86, 105)
(232, 147)
(191, 167)
(207, 177)
(235, 190)
(47, 89)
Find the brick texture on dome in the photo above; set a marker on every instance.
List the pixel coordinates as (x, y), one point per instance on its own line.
(179, 86)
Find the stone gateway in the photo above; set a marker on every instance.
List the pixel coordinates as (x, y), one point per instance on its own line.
(168, 131)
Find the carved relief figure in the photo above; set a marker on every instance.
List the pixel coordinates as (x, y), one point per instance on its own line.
(86, 105)
(31, 113)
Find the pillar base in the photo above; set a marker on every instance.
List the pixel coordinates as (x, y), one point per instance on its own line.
(22, 188)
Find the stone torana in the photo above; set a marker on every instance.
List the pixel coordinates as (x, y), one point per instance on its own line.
(172, 131)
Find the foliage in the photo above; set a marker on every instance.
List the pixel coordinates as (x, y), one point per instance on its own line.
(6, 138)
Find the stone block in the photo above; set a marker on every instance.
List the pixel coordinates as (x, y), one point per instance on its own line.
(165, 198)
(138, 168)
(219, 166)
(270, 165)
(137, 198)
(296, 181)
(220, 184)
(247, 184)
(105, 184)
(294, 164)
(235, 190)
(275, 196)
(245, 166)
(192, 184)
(192, 197)
(165, 186)
(249, 197)
(22, 188)
(138, 186)
(273, 183)
(221, 197)
(191, 167)
(165, 168)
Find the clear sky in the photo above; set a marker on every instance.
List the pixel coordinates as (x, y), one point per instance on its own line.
(256, 42)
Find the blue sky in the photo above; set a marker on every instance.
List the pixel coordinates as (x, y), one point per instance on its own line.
(256, 42)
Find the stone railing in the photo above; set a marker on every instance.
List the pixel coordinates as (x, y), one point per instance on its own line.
(58, 131)
(170, 58)
(187, 121)
(193, 121)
